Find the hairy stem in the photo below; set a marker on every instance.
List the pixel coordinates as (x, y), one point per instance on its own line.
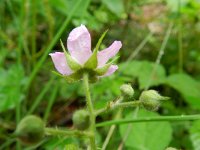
(151, 119)
(62, 132)
(91, 111)
(116, 105)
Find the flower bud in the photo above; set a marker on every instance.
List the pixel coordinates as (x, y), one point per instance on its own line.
(81, 119)
(127, 90)
(30, 130)
(151, 99)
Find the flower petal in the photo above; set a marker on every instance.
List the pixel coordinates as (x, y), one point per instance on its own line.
(79, 44)
(111, 70)
(60, 63)
(106, 54)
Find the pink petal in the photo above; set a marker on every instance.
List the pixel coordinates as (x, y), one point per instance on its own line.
(79, 44)
(106, 54)
(60, 63)
(111, 70)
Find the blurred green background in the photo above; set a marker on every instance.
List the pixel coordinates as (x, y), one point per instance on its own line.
(161, 50)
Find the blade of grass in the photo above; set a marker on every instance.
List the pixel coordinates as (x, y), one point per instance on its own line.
(50, 103)
(41, 95)
(140, 46)
(160, 54)
(6, 144)
(33, 30)
(111, 131)
(135, 115)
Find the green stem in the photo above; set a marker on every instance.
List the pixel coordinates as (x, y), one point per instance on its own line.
(180, 45)
(62, 132)
(91, 111)
(151, 119)
(116, 105)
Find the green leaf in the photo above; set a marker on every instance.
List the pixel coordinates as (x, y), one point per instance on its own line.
(12, 81)
(75, 66)
(64, 7)
(143, 71)
(187, 86)
(101, 71)
(174, 5)
(92, 62)
(115, 6)
(195, 135)
(147, 135)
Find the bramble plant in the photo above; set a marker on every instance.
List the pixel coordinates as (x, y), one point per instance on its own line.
(81, 64)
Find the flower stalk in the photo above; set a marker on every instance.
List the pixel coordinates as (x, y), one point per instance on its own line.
(62, 132)
(150, 119)
(91, 111)
(115, 105)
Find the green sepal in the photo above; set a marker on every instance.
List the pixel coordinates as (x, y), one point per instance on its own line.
(70, 79)
(101, 71)
(73, 64)
(164, 98)
(100, 40)
(92, 62)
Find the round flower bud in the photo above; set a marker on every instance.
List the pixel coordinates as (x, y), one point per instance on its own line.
(30, 130)
(151, 99)
(81, 119)
(127, 90)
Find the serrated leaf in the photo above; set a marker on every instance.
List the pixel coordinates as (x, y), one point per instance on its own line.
(73, 64)
(92, 62)
(147, 135)
(115, 6)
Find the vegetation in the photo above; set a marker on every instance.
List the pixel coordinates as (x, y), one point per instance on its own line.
(160, 52)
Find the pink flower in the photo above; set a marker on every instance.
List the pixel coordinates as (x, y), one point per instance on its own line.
(79, 47)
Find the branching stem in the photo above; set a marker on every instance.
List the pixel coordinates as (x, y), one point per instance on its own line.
(116, 105)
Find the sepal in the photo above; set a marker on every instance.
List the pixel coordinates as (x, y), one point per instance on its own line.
(92, 62)
(73, 64)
